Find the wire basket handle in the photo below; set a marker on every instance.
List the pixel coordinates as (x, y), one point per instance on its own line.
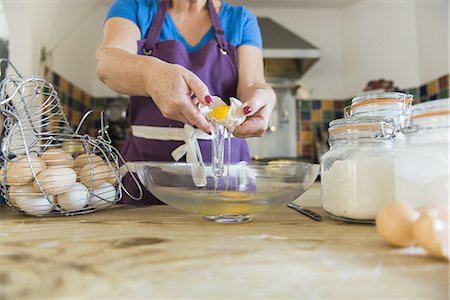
(10, 64)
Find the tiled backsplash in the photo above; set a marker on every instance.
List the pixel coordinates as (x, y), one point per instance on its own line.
(314, 115)
(77, 102)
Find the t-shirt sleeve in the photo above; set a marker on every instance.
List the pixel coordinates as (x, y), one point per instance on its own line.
(251, 34)
(125, 9)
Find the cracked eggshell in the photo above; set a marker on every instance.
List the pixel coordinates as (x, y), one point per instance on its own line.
(235, 116)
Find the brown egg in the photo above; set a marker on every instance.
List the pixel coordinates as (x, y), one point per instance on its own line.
(112, 178)
(83, 160)
(56, 180)
(23, 191)
(18, 172)
(58, 158)
(394, 223)
(431, 232)
(95, 176)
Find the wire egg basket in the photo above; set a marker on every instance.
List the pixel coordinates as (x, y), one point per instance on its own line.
(48, 168)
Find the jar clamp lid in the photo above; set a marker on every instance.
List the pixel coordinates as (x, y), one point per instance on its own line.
(357, 127)
(379, 103)
(428, 115)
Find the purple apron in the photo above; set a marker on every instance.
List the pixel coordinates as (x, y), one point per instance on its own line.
(215, 64)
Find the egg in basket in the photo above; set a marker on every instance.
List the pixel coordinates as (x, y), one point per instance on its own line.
(48, 168)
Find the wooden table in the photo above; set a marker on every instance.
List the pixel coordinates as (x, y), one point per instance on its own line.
(160, 253)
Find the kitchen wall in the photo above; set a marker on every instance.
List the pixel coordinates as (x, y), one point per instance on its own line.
(69, 30)
(404, 40)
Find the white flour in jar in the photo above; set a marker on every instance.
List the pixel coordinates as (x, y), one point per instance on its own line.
(422, 174)
(357, 188)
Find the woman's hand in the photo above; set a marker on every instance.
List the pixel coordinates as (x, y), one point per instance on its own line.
(258, 106)
(176, 91)
(258, 97)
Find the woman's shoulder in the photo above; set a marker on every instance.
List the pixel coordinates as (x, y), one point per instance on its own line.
(140, 12)
(240, 25)
(237, 12)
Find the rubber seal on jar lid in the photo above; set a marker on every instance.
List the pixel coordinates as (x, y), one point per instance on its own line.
(383, 98)
(432, 108)
(362, 127)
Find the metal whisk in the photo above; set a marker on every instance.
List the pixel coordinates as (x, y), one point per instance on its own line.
(48, 168)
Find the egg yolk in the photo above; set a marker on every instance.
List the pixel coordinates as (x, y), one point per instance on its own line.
(220, 112)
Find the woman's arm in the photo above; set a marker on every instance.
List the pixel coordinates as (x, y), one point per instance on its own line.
(170, 85)
(258, 97)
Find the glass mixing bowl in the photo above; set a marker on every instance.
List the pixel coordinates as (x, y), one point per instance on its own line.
(240, 192)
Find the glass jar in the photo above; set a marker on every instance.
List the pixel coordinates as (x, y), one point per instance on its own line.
(421, 166)
(387, 104)
(357, 176)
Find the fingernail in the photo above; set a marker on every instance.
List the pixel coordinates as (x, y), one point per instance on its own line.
(247, 110)
(208, 99)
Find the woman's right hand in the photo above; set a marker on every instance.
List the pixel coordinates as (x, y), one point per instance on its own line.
(177, 91)
(171, 86)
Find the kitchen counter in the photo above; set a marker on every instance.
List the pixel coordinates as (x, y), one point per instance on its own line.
(160, 253)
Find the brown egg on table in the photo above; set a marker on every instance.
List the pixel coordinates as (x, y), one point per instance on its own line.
(394, 223)
(57, 157)
(94, 176)
(19, 172)
(56, 180)
(431, 232)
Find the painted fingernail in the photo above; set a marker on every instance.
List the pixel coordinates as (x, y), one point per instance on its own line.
(247, 110)
(208, 99)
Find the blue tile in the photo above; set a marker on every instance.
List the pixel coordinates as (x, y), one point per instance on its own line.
(55, 79)
(316, 104)
(306, 115)
(338, 114)
(423, 90)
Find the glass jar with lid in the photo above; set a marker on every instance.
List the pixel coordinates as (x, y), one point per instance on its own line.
(421, 166)
(357, 176)
(393, 105)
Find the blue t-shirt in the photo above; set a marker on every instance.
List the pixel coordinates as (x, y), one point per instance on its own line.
(240, 26)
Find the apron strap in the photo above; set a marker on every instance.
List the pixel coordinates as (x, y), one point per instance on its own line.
(217, 27)
(190, 148)
(156, 27)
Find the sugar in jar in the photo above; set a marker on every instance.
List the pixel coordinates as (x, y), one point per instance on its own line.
(357, 176)
(421, 166)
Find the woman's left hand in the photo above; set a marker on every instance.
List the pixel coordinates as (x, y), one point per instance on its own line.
(258, 97)
(258, 105)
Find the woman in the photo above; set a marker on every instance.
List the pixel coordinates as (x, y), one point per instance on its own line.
(187, 50)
